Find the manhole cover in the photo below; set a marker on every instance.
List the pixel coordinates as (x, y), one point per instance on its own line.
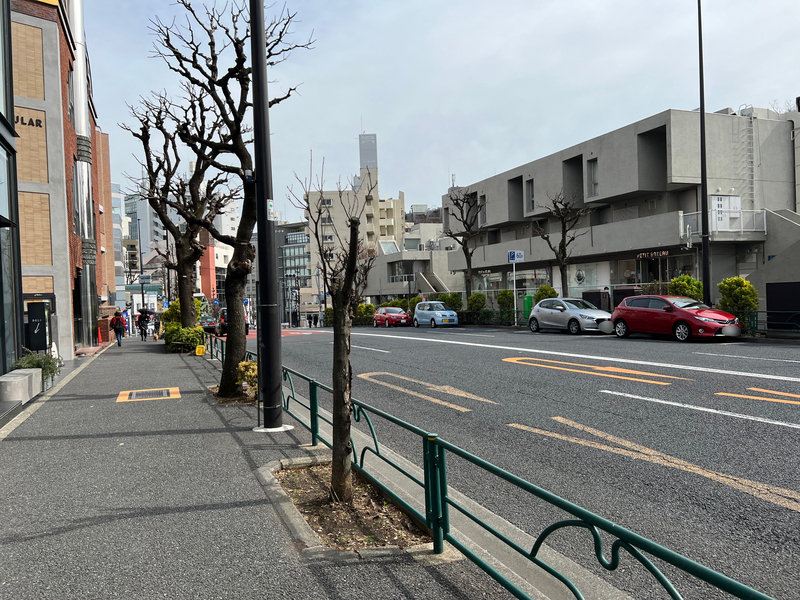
(133, 395)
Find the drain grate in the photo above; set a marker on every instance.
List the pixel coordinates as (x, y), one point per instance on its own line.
(147, 394)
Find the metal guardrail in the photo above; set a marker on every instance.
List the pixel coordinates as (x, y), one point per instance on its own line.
(772, 321)
(439, 502)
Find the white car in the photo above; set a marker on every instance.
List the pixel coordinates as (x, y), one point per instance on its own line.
(570, 314)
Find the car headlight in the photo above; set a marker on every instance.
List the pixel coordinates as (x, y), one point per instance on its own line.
(707, 320)
(438, 314)
(586, 317)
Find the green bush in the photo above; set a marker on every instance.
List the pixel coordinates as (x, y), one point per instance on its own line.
(400, 303)
(384, 304)
(476, 302)
(50, 365)
(454, 302)
(173, 313)
(739, 297)
(686, 285)
(505, 300)
(412, 305)
(329, 317)
(248, 373)
(545, 291)
(369, 309)
(174, 334)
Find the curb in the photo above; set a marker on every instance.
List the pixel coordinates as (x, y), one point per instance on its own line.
(307, 541)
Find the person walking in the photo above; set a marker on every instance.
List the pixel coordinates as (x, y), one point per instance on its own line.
(316, 320)
(118, 325)
(309, 317)
(141, 323)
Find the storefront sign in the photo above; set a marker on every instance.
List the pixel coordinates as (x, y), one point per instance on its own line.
(89, 251)
(37, 326)
(653, 254)
(484, 271)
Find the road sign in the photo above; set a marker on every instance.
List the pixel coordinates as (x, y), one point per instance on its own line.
(165, 304)
(246, 301)
(216, 302)
(515, 256)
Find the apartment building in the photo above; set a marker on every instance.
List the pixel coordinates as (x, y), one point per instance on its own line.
(64, 182)
(642, 184)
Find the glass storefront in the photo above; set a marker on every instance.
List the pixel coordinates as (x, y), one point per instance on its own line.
(653, 267)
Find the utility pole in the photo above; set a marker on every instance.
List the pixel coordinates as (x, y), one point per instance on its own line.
(270, 370)
(141, 266)
(703, 169)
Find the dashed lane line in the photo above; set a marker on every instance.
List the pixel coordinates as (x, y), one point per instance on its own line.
(748, 357)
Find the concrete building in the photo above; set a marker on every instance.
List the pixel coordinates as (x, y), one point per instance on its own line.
(642, 184)
(119, 228)
(63, 173)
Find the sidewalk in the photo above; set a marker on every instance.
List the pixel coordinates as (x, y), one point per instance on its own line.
(159, 498)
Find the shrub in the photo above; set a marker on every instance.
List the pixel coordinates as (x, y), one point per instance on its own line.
(173, 313)
(412, 305)
(505, 299)
(360, 311)
(476, 302)
(329, 317)
(174, 334)
(248, 373)
(384, 304)
(400, 303)
(369, 309)
(454, 302)
(50, 365)
(545, 291)
(739, 297)
(686, 285)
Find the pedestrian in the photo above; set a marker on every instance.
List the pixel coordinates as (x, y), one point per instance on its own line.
(316, 320)
(141, 323)
(309, 320)
(125, 318)
(119, 325)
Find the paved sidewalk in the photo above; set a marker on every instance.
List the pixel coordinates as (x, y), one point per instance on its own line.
(159, 498)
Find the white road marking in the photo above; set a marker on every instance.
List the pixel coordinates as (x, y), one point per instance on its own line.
(373, 349)
(592, 357)
(472, 334)
(704, 409)
(748, 357)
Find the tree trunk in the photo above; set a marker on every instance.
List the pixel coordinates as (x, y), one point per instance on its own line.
(341, 481)
(564, 283)
(184, 271)
(236, 342)
(467, 271)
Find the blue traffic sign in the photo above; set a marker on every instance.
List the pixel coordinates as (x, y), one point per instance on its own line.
(246, 301)
(216, 302)
(165, 304)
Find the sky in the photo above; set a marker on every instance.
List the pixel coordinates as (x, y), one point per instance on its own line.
(464, 88)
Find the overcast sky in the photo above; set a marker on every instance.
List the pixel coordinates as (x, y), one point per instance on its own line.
(465, 87)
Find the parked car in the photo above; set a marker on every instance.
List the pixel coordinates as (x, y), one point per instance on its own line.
(208, 323)
(222, 323)
(681, 317)
(435, 314)
(390, 315)
(571, 314)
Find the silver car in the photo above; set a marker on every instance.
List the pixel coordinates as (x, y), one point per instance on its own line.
(573, 314)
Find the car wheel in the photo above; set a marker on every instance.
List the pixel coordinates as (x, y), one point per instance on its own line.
(621, 328)
(682, 331)
(533, 325)
(374, 323)
(433, 323)
(416, 323)
(574, 327)
(386, 323)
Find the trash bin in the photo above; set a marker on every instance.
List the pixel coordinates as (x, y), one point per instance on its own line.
(527, 304)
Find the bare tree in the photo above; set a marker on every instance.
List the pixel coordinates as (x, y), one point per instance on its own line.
(345, 264)
(208, 51)
(463, 225)
(169, 193)
(568, 215)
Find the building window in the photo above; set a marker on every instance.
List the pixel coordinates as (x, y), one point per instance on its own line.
(76, 211)
(591, 172)
(326, 221)
(71, 96)
(325, 202)
(529, 193)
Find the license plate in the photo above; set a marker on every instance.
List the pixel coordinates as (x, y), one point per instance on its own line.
(445, 320)
(402, 320)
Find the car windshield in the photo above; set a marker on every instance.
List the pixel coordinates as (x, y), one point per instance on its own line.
(394, 311)
(580, 304)
(437, 306)
(688, 303)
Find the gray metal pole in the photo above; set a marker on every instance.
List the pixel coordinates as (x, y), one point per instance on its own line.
(141, 266)
(270, 371)
(703, 170)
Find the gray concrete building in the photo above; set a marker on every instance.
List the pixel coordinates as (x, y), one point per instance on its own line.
(642, 184)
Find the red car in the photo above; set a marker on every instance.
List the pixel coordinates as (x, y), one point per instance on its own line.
(678, 316)
(390, 315)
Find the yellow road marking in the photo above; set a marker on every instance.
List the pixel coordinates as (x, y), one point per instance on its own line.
(525, 361)
(445, 389)
(775, 495)
(126, 396)
(759, 397)
(774, 392)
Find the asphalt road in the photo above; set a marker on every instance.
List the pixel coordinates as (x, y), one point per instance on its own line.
(691, 445)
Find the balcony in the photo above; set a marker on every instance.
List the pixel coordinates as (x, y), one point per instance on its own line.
(726, 225)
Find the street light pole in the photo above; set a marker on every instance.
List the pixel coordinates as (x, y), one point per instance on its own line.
(141, 266)
(270, 370)
(703, 169)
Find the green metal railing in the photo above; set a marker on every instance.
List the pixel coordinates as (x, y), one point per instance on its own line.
(439, 502)
(772, 321)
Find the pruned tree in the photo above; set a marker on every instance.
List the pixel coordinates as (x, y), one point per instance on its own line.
(463, 225)
(345, 263)
(568, 215)
(208, 52)
(194, 198)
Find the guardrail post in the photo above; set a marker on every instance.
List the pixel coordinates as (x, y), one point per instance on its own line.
(222, 347)
(433, 497)
(444, 507)
(314, 408)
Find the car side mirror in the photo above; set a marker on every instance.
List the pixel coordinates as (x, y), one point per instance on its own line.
(668, 309)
